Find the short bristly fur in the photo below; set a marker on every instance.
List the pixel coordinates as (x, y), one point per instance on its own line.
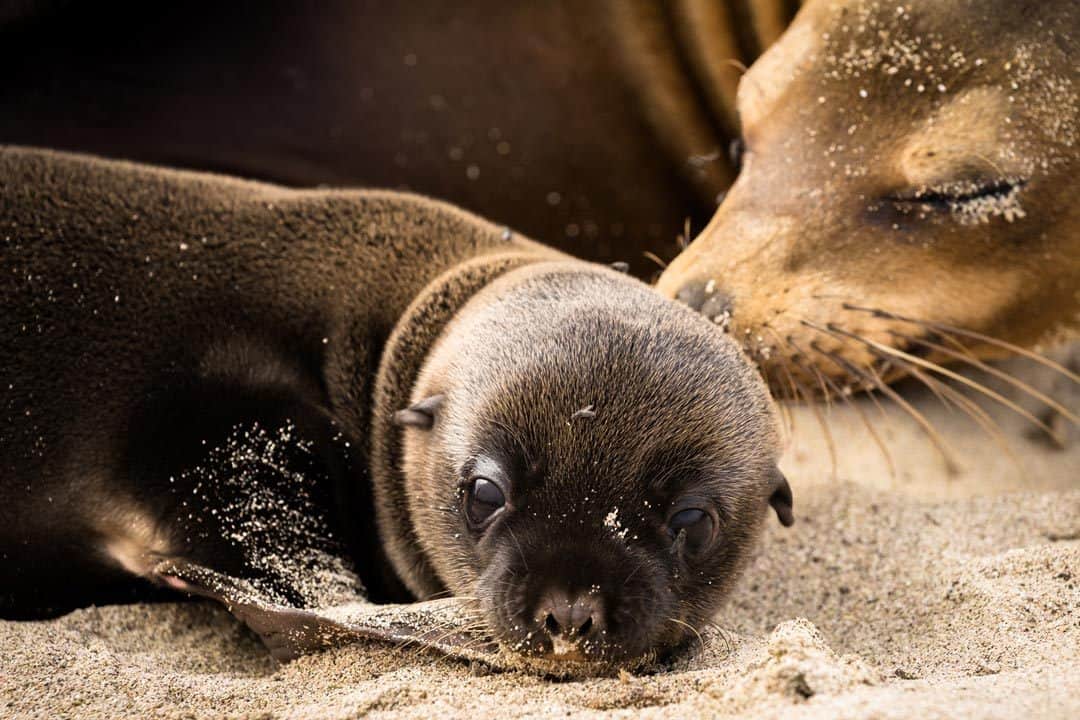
(672, 411)
(206, 383)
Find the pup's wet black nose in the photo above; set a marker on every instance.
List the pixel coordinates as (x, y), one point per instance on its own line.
(707, 298)
(571, 616)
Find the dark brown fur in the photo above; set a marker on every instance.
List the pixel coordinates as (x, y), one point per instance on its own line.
(563, 119)
(200, 376)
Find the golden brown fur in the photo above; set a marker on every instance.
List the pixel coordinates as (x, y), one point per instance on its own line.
(917, 159)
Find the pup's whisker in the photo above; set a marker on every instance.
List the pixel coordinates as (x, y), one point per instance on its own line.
(692, 629)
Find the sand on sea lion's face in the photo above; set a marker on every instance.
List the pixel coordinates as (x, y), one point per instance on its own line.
(913, 158)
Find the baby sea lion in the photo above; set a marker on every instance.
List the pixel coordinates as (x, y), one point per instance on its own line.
(299, 401)
(906, 193)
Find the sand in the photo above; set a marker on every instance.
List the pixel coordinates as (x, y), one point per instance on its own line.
(914, 593)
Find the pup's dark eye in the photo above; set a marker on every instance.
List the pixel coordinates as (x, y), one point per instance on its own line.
(485, 498)
(696, 526)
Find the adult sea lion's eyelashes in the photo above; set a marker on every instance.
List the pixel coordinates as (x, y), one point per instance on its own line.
(962, 197)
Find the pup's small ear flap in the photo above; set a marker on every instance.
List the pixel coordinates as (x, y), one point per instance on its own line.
(781, 499)
(421, 415)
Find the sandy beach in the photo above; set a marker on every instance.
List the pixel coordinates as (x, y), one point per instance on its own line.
(912, 592)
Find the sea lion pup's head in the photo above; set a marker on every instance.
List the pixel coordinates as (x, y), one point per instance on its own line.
(590, 461)
(916, 158)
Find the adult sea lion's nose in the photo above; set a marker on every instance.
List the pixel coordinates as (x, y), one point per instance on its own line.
(706, 297)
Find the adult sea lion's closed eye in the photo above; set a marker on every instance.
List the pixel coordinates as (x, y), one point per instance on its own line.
(934, 184)
(962, 198)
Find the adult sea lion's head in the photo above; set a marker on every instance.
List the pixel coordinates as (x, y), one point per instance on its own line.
(907, 186)
(589, 461)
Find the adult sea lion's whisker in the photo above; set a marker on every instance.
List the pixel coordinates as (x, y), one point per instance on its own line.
(975, 362)
(871, 377)
(656, 259)
(859, 411)
(816, 409)
(784, 348)
(826, 395)
(934, 367)
(785, 413)
(950, 465)
(968, 407)
(942, 327)
(795, 394)
(778, 391)
(889, 362)
(864, 382)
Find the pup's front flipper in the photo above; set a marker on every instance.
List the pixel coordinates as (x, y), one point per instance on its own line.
(290, 632)
(287, 632)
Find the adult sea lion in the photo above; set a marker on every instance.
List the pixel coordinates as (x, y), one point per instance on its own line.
(597, 126)
(290, 400)
(907, 193)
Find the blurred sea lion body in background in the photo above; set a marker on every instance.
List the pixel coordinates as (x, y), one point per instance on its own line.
(592, 126)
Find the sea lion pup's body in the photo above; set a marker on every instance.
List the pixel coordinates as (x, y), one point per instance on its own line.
(908, 190)
(204, 378)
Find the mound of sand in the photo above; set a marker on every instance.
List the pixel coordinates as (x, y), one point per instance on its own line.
(914, 592)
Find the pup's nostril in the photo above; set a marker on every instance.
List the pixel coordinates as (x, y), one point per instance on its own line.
(563, 615)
